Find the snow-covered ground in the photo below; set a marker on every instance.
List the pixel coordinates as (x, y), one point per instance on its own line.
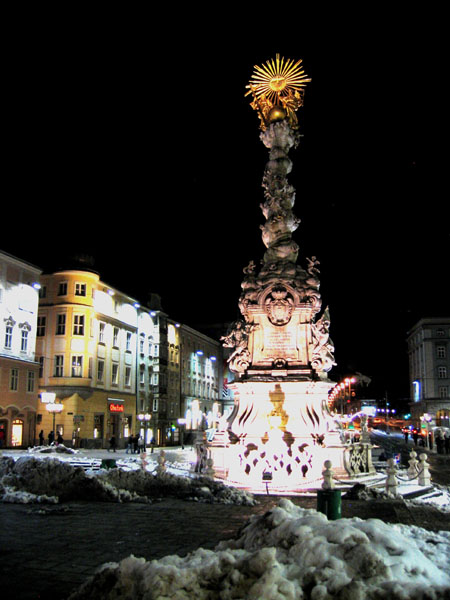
(291, 553)
(51, 475)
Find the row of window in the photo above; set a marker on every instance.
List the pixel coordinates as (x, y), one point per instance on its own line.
(80, 289)
(24, 329)
(14, 382)
(77, 326)
(78, 329)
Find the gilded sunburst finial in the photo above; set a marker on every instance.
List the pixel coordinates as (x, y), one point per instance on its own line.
(277, 88)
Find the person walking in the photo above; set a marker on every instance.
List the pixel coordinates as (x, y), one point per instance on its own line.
(51, 438)
(129, 444)
(447, 442)
(41, 437)
(112, 443)
(59, 439)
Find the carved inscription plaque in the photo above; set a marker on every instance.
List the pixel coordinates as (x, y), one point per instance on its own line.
(280, 342)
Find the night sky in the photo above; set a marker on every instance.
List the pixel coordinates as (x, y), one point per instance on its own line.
(145, 155)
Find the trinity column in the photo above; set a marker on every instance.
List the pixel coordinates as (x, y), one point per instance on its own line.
(280, 429)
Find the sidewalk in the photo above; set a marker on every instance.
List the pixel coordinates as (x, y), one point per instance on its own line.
(47, 551)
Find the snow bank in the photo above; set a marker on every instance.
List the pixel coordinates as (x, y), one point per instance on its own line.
(31, 479)
(291, 553)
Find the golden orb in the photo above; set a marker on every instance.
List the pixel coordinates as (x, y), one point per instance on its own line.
(277, 113)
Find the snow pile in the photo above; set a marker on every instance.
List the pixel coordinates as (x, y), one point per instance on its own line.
(32, 479)
(291, 553)
(55, 449)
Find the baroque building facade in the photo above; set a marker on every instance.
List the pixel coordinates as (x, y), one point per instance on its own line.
(429, 371)
(119, 368)
(86, 347)
(18, 368)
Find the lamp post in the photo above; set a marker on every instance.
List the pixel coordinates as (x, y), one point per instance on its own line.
(53, 408)
(144, 418)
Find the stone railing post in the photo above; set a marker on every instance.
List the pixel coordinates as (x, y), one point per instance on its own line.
(391, 479)
(413, 468)
(424, 473)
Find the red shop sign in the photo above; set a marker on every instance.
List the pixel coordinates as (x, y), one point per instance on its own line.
(116, 408)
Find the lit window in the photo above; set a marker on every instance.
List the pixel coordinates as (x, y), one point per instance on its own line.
(77, 366)
(41, 322)
(59, 365)
(61, 324)
(441, 352)
(78, 325)
(62, 288)
(80, 289)
(442, 372)
(14, 380)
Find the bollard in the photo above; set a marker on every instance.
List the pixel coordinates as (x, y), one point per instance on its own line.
(329, 503)
(391, 479)
(424, 474)
(413, 462)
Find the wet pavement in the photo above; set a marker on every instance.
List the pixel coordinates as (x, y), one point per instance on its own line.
(48, 551)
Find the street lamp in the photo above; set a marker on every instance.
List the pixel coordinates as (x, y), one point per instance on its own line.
(54, 408)
(144, 418)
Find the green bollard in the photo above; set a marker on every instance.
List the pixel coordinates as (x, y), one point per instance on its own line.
(329, 503)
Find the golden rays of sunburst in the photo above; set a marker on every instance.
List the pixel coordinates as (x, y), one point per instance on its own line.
(277, 78)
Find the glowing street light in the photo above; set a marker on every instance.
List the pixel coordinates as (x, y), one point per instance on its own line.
(53, 407)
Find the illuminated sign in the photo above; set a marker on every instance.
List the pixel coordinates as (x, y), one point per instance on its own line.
(370, 411)
(115, 408)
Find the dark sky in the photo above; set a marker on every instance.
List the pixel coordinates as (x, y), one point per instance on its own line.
(146, 155)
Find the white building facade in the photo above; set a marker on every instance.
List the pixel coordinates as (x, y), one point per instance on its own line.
(19, 284)
(429, 371)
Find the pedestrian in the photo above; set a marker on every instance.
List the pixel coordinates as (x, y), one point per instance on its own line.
(447, 442)
(2, 437)
(152, 444)
(440, 442)
(430, 440)
(141, 444)
(415, 436)
(41, 437)
(136, 443)
(129, 444)
(406, 434)
(112, 443)
(59, 439)
(51, 438)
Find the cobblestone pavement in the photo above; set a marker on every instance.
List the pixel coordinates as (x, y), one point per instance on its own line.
(46, 552)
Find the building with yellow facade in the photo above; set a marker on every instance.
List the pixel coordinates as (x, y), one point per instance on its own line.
(18, 369)
(113, 367)
(86, 346)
